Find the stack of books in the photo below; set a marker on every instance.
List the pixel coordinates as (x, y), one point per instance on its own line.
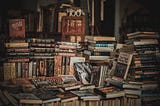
(17, 63)
(145, 68)
(42, 52)
(99, 48)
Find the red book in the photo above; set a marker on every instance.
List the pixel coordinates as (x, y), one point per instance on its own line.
(17, 27)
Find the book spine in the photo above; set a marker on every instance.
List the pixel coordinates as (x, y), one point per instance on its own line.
(41, 67)
(50, 67)
(30, 69)
(57, 65)
(34, 68)
(19, 65)
(25, 70)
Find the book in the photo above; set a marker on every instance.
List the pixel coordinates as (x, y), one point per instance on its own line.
(104, 58)
(131, 86)
(83, 72)
(67, 96)
(146, 42)
(101, 38)
(110, 91)
(133, 91)
(123, 65)
(19, 45)
(86, 95)
(74, 60)
(68, 78)
(47, 95)
(101, 49)
(28, 98)
(142, 35)
(87, 86)
(17, 27)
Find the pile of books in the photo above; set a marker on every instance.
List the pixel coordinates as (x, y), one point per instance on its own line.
(99, 48)
(42, 52)
(145, 69)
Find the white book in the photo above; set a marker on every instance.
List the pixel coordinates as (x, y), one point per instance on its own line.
(133, 92)
(115, 94)
(99, 57)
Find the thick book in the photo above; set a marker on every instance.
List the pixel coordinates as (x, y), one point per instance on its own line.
(67, 96)
(101, 38)
(47, 95)
(155, 41)
(123, 65)
(142, 35)
(132, 86)
(70, 86)
(101, 49)
(86, 95)
(74, 60)
(87, 86)
(28, 98)
(110, 92)
(137, 92)
(18, 45)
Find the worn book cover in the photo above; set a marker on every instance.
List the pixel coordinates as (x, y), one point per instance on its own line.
(28, 98)
(17, 27)
(123, 65)
(110, 91)
(47, 95)
(84, 94)
(67, 96)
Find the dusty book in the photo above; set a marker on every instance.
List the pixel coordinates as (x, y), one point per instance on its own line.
(86, 95)
(17, 27)
(122, 66)
(28, 98)
(87, 86)
(47, 95)
(67, 96)
(110, 92)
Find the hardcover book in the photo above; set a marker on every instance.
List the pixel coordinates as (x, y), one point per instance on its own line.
(47, 95)
(123, 65)
(28, 98)
(17, 27)
(110, 92)
(67, 96)
(86, 95)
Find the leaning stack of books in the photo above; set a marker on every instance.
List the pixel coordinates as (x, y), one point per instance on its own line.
(99, 48)
(145, 67)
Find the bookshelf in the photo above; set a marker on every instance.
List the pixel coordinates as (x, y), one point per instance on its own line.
(143, 20)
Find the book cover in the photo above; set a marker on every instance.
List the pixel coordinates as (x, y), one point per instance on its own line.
(83, 72)
(28, 98)
(84, 94)
(17, 28)
(123, 65)
(87, 86)
(67, 96)
(74, 60)
(110, 91)
(47, 95)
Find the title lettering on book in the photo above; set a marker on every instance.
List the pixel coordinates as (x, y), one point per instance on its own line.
(17, 27)
(123, 58)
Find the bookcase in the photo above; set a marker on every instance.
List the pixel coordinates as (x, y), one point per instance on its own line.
(73, 26)
(143, 20)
